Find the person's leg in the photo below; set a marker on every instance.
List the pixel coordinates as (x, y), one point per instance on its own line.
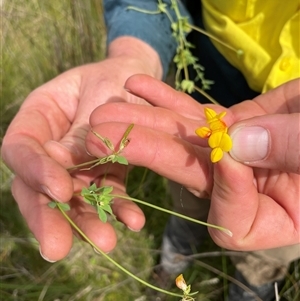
(259, 270)
(182, 237)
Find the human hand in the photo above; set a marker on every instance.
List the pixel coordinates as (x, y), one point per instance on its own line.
(259, 204)
(48, 135)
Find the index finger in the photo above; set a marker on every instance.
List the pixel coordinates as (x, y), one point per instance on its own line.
(169, 156)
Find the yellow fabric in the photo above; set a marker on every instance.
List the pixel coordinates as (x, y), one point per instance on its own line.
(267, 31)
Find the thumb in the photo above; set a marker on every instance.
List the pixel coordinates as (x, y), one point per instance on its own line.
(269, 141)
(70, 150)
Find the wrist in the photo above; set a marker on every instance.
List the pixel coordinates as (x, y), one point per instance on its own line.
(144, 56)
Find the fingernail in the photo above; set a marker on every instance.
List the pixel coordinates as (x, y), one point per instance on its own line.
(134, 230)
(47, 191)
(127, 90)
(96, 251)
(44, 257)
(250, 144)
(88, 153)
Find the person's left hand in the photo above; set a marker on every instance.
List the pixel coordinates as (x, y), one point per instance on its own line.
(259, 204)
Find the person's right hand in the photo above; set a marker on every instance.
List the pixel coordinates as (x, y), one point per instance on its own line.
(48, 134)
(258, 200)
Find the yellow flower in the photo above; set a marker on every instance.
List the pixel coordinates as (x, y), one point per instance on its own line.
(180, 282)
(218, 139)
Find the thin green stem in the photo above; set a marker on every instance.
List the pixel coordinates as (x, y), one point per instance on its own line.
(149, 12)
(238, 51)
(83, 164)
(140, 188)
(110, 259)
(182, 38)
(206, 95)
(228, 232)
(224, 269)
(160, 3)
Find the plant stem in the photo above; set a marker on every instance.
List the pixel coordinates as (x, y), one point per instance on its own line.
(149, 12)
(238, 51)
(206, 95)
(110, 259)
(228, 232)
(83, 164)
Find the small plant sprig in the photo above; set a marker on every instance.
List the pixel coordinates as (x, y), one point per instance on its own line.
(184, 57)
(114, 157)
(116, 264)
(101, 199)
(186, 289)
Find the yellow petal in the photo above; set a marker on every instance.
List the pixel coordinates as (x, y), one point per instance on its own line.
(180, 282)
(221, 115)
(216, 155)
(215, 139)
(226, 143)
(218, 126)
(203, 132)
(209, 113)
(220, 139)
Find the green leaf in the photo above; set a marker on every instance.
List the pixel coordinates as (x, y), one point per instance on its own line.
(90, 199)
(114, 159)
(122, 160)
(105, 199)
(64, 206)
(174, 26)
(102, 215)
(162, 7)
(107, 189)
(189, 45)
(85, 191)
(107, 208)
(91, 189)
(52, 204)
(185, 25)
(187, 85)
(176, 58)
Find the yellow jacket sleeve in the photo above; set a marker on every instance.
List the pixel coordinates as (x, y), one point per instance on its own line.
(267, 32)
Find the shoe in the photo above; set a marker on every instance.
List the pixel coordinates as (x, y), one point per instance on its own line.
(178, 244)
(264, 292)
(176, 248)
